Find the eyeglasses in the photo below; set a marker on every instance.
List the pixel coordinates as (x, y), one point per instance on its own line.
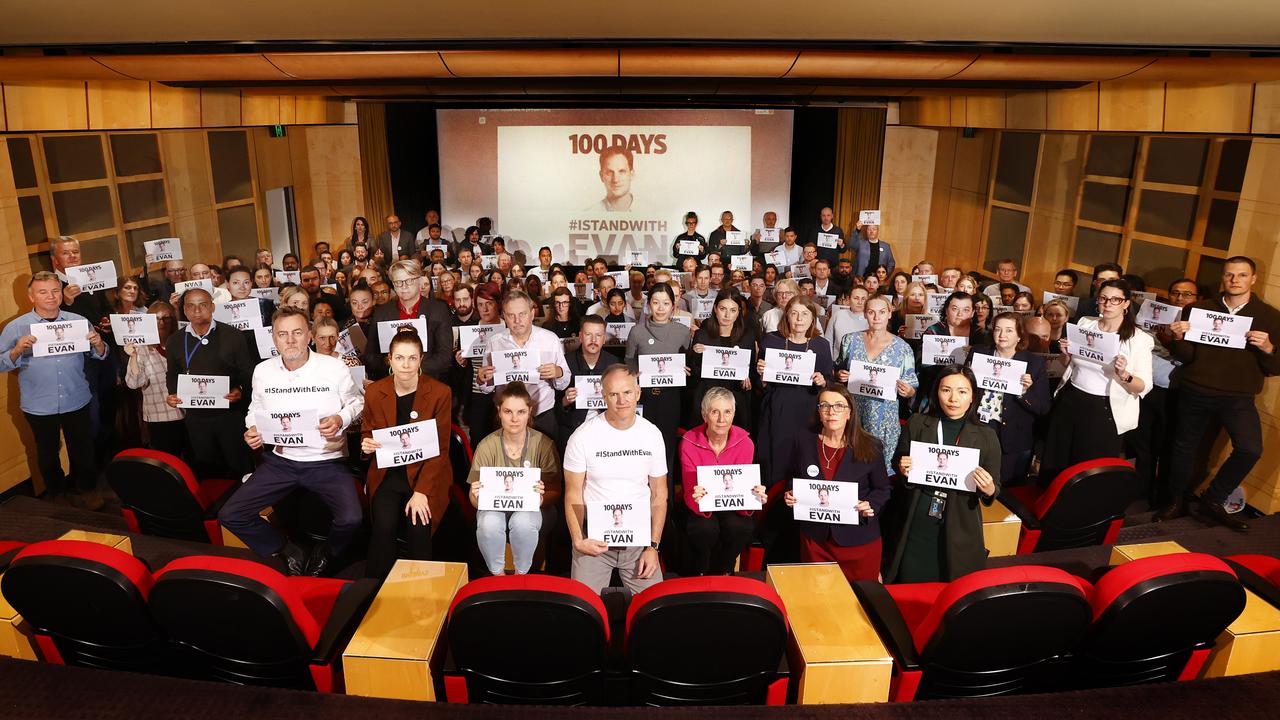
(405, 283)
(1184, 294)
(833, 407)
(1113, 300)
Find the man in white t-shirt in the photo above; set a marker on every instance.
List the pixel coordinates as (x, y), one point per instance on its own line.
(616, 456)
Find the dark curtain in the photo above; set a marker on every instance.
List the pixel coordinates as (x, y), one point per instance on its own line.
(813, 168)
(414, 157)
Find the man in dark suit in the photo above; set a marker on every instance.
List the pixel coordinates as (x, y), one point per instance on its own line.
(395, 242)
(407, 303)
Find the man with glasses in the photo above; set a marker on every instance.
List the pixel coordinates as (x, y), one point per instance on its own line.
(1220, 383)
(1151, 443)
(1065, 281)
(409, 303)
(782, 294)
(690, 234)
(521, 334)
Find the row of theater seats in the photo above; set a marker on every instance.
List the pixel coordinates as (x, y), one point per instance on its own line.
(689, 641)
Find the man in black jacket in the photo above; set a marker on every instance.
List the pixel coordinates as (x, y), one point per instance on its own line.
(408, 303)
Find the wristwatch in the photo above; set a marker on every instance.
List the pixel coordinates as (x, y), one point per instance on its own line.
(655, 545)
(1128, 378)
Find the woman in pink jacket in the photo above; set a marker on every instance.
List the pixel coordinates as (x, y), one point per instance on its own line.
(717, 537)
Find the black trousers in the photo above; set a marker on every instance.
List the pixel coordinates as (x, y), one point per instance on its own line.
(479, 416)
(76, 427)
(217, 444)
(387, 509)
(712, 544)
(170, 437)
(1081, 428)
(1239, 417)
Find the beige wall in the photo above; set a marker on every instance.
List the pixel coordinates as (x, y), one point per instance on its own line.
(906, 189)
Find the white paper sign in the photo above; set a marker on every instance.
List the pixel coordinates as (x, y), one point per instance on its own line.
(825, 501)
(687, 247)
(869, 217)
(473, 340)
(518, 365)
(1092, 345)
(509, 489)
(726, 363)
(769, 234)
(620, 524)
(775, 258)
(735, 237)
(429, 249)
(1142, 296)
(62, 337)
(916, 324)
(789, 367)
(95, 277)
(135, 329)
(662, 370)
(489, 262)
(266, 293)
(584, 291)
(289, 276)
(729, 487)
(741, 262)
(1218, 328)
(999, 374)
(943, 466)
(203, 391)
(590, 392)
(205, 285)
(828, 240)
(702, 307)
(358, 375)
(616, 333)
(637, 257)
(266, 345)
(873, 380)
(1154, 315)
(351, 341)
(942, 349)
(162, 250)
(388, 328)
(239, 314)
(1073, 302)
(290, 428)
(405, 444)
(621, 279)
(926, 279)
(800, 271)
(935, 302)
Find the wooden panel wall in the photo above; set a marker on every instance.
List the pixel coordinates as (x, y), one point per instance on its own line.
(958, 199)
(325, 166)
(138, 104)
(1120, 106)
(1053, 208)
(906, 190)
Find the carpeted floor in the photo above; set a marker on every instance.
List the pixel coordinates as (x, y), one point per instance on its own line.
(30, 691)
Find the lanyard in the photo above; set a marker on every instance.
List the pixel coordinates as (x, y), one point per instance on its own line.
(940, 433)
(191, 351)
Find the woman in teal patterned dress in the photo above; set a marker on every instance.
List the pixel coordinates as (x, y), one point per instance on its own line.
(877, 345)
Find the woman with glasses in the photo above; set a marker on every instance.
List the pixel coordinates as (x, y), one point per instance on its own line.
(1099, 402)
(936, 534)
(842, 452)
(146, 371)
(563, 318)
(783, 403)
(877, 345)
(1013, 415)
(690, 234)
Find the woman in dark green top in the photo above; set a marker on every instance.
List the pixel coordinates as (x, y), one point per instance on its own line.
(938, 533)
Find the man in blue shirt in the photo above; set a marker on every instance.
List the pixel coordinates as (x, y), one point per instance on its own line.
(54, 393)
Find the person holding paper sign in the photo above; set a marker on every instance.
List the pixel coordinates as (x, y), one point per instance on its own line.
(546, 351)
(716, 240)
(869, 252)
(1013, 416)
(937, 536)
(147, 371)
(783, 403)
(842, 452)
(54, 393)
(409, 303)
(957, 321)
(877, 345)
(616, 457)
(658, 334)
(726, 328)
(716, 539)
(586, 361)
(1221, 383)
(418, 493)
(690, 235)
(1096, 404)
(298, 378)
(215, 436)
(515, 444)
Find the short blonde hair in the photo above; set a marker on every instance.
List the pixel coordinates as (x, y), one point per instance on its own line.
(288, 292)
(324, 322)
(412, 268)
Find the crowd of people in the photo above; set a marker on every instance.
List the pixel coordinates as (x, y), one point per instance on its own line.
(599, 397)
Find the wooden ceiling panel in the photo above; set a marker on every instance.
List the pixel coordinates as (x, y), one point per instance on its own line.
(37, 67)
(841, 90)
(376, 90)
(766, 88)
(533, 63)
(1210, 69)
(194, 68)
(880, 65)
(1066, 68)
(360, 65)
(698, 62)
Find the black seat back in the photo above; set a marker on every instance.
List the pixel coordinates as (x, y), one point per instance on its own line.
(1090, 499)
(151, 487)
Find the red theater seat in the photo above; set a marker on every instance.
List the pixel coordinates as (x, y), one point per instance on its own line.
(752, 558)
(707, 641)
(87, 604)
(987, 633)
(159, 495)
(460, 458)
(1083, 506)
(1264, 566)
(527, 640)
(242, 622)
(1155, 619)
(9, 548)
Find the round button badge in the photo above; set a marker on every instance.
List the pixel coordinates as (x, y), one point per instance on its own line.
(413, 414)
(812, 470)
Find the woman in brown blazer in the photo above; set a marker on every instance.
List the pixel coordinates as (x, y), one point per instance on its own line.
(419, 490)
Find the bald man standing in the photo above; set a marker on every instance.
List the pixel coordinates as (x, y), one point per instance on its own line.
(395, 243)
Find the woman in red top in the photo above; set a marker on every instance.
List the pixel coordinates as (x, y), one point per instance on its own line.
(842, 452)
(716, 538)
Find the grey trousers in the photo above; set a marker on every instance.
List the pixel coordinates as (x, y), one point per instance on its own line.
(594, 572)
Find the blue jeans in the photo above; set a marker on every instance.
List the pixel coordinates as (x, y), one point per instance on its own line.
(275, 478)
(492, 528)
